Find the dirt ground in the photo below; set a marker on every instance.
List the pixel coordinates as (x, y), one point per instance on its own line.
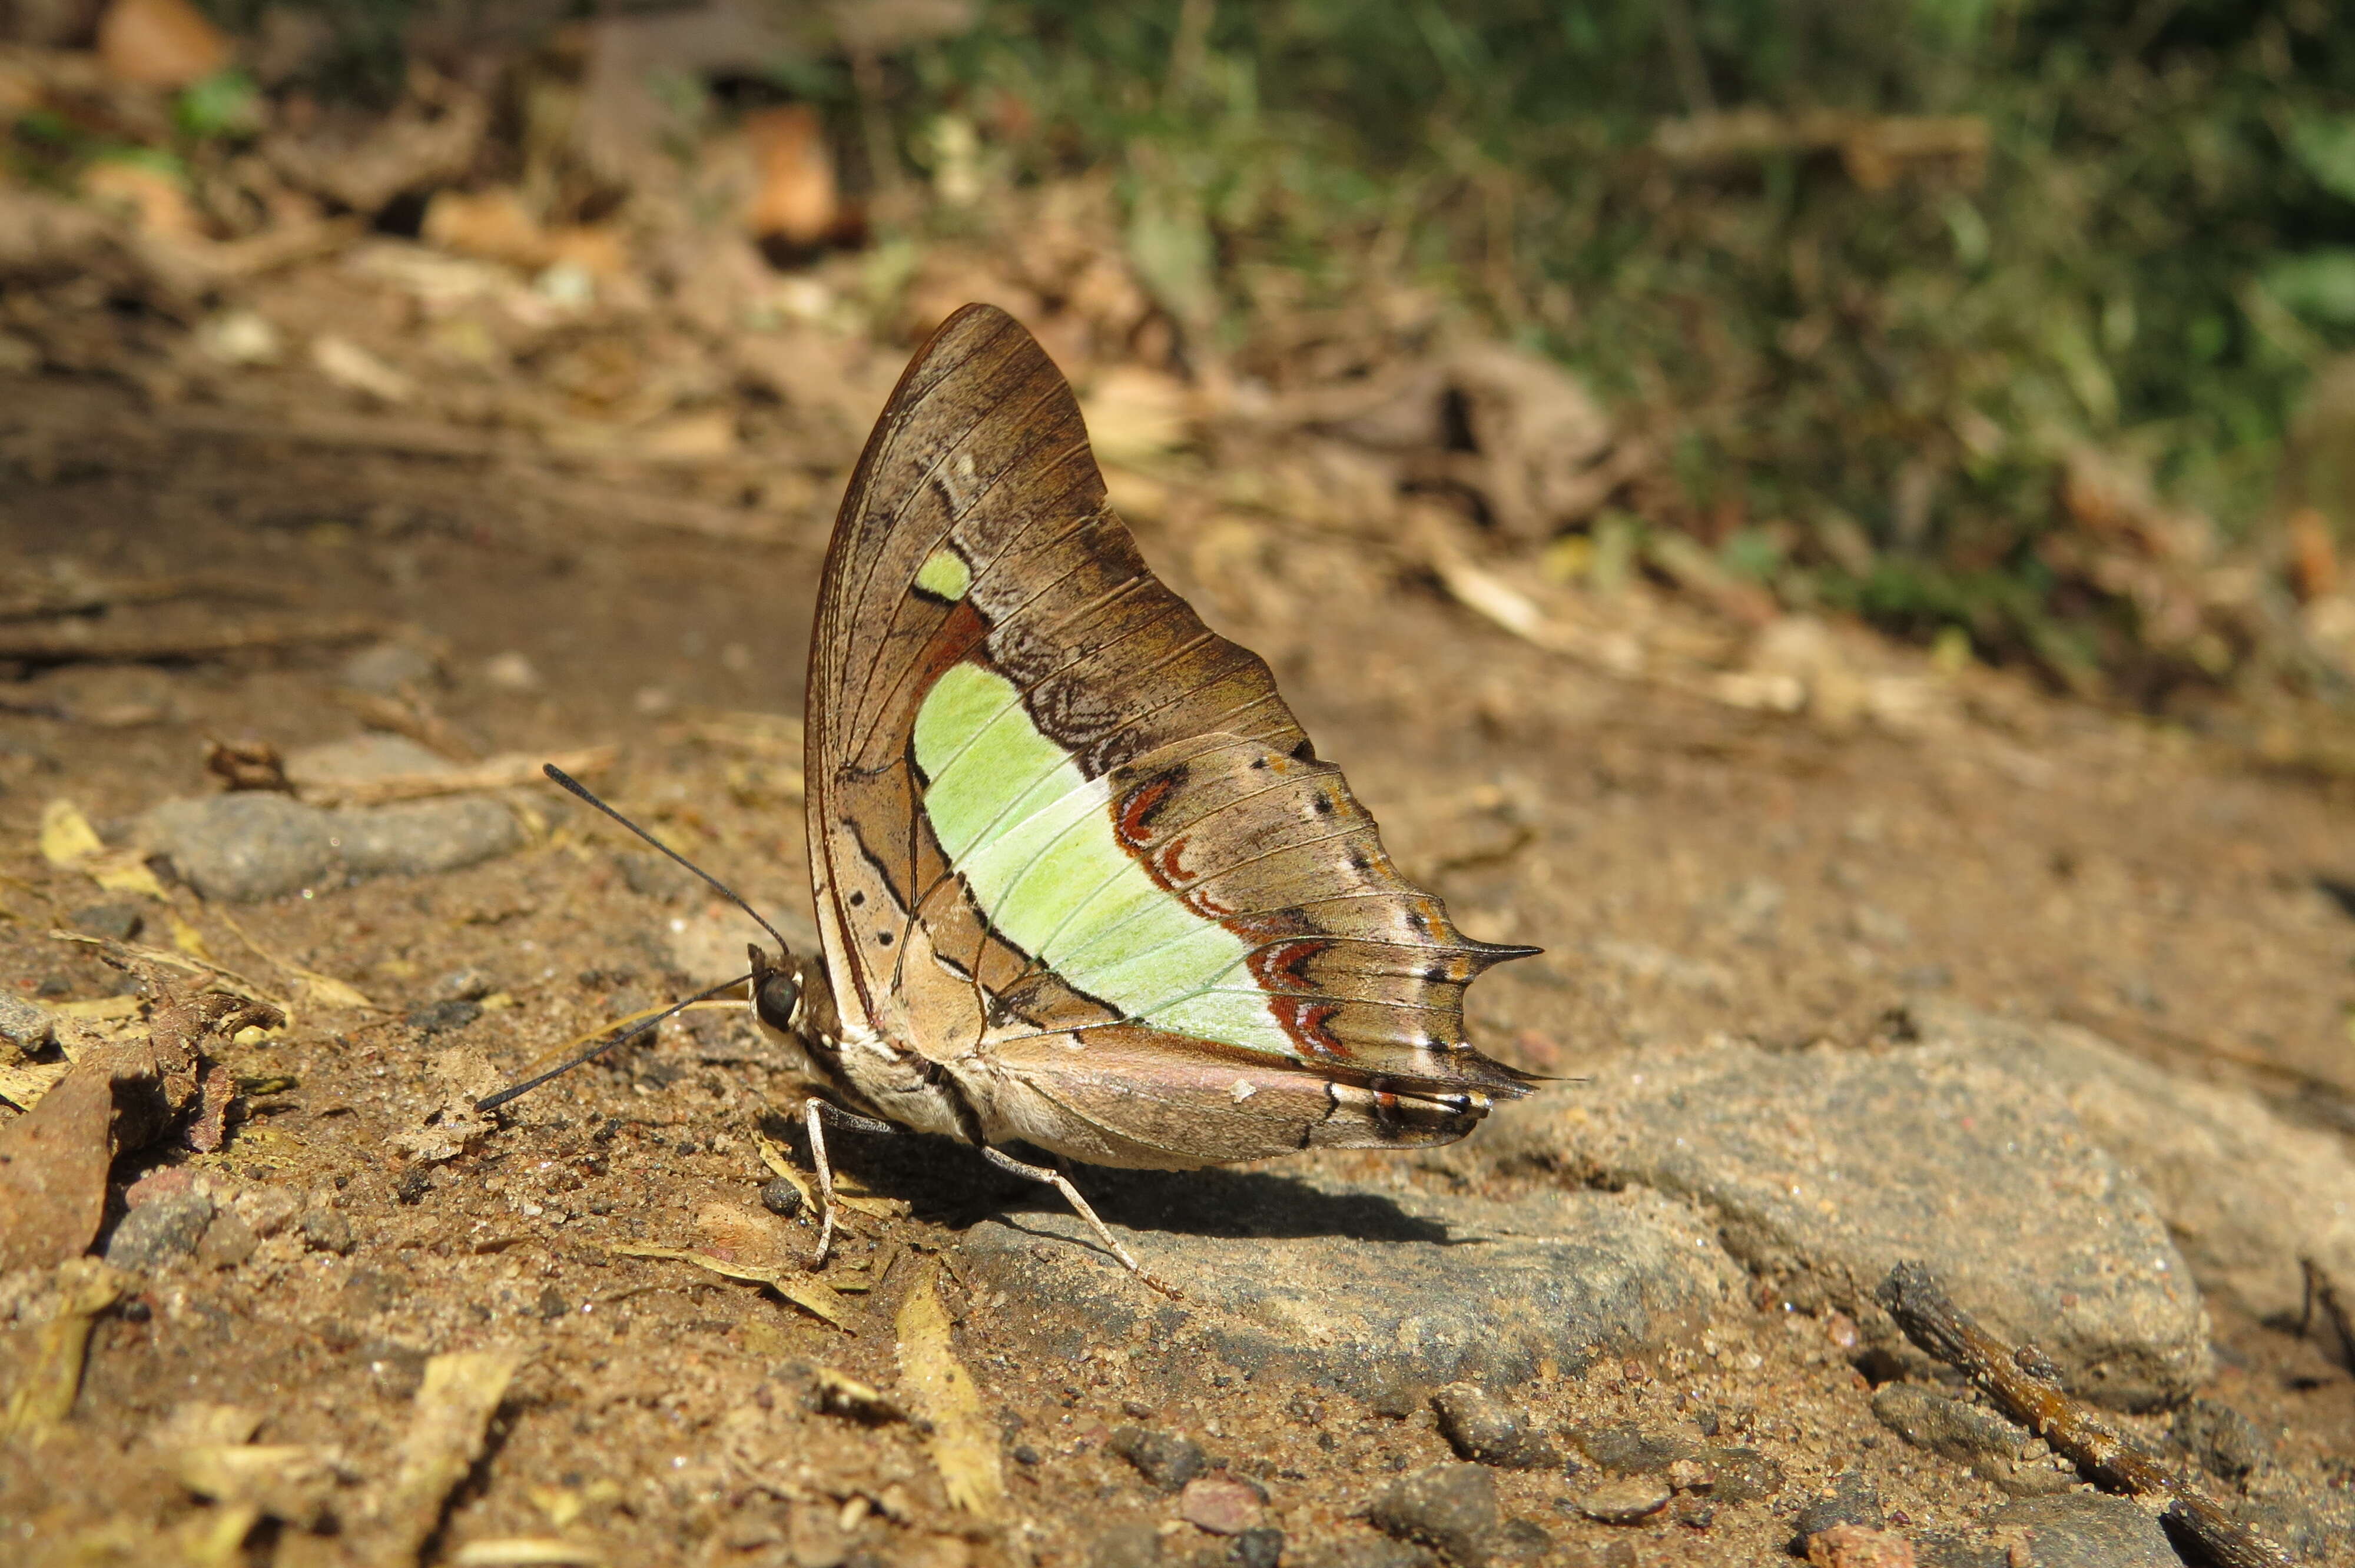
(1689, 866)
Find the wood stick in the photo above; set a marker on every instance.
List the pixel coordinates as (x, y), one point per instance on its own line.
(2024, 1384)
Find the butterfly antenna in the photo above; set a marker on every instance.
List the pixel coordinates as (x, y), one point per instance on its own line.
(573, 786)
(493, 1102)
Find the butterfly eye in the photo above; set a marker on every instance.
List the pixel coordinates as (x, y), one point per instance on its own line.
(780, 994)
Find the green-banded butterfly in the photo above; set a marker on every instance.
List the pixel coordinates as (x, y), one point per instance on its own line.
(1082, 881)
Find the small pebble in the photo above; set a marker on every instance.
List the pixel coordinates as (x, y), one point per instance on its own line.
(511, 672)
(1451, 1507)
(1223, 1505)
(229, 1241)
(782, 1198)
(464, 985)
(1850, 1499)
(329, 1230)
(552, 1304)
(1480, 1427)
(1628, 1500)
(383, 668)
(1261, 1548)
(2226, 1443)
(160, 1232)
(1025, 1455)
(1946, 1427)
(1163, 1459)
(441, 1017)
(1855, 1546)
(1631, 1450)
(116, 922)
(1742, 1475)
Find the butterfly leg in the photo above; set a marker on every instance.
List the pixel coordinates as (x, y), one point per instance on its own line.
(816, 1113)
(1063, 1183)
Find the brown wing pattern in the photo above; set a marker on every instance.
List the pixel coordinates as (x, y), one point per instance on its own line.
(1209, 782)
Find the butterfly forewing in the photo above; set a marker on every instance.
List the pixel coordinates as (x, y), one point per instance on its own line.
(1069, 842)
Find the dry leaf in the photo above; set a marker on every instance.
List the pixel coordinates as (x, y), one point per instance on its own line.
(67, 837)
(962, 1440)
(453, 1410)
(805, 1291)
(159, 43)
(52, 1375)
(523, 1551)
(23, 1086)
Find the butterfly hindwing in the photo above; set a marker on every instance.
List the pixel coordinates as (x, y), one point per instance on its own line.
(1068, 844)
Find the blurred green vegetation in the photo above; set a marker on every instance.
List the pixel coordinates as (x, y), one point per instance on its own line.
(1868, 386)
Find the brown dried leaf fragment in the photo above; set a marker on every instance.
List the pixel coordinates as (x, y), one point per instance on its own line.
(453, 1411)
(939, 1389)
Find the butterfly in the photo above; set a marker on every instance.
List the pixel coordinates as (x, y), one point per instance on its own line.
(1082, 883)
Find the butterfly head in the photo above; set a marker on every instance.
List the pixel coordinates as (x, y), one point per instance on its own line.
(792, 999)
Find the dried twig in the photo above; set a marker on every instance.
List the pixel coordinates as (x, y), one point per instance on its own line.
(506, 772)
(2021, 1381)
(408, 713)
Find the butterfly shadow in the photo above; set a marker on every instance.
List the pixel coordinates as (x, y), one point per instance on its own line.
(952, 1182)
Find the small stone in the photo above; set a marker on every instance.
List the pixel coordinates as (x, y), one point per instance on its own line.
(511, 672)
(1450, 1507)
(1853, 1546)
(27, 1027)
(782, 1198)
(1167, 1460)
(1631, 1450)
(426, 836)
(1627, 1499)
(1479, 1426)
(1393, 1395)
(229, 1241)
(1743, 1476)
(1947, 1426)
(442, 1017)
(1025, 1455)
(269, 1209)
(2226, 1443)
(1520, 1540)
(116, 922)
(464, 985)
(1850, 1499)
(1126, 1546)
(1260, 1547)
(551, 1304)
(383, 668)
(2083, 1530)
(161, 1232)
(245, 847)
(329, 1230)
(1223, 1505)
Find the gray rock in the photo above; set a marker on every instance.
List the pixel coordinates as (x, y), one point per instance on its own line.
(464, 985)
(2244, 1194)
(383, 668)
(1827, 1167)
(425, 836)
(27, 1027)
(120, 922)
(1163, 1458)
(1743, 1476)
(1624, 1499)
(2226, 1443)
(245, 847)
(1849, 1499)
(1961, 1432)
(2083, 1530)
(442, 1017)
(253, 845)
(1450, 1507)
(1480, 1427)
(160, 1232)
(329, 1230)
(1629, 1449)
(1259, 1548)
(1366, 1288)
(781, 1197)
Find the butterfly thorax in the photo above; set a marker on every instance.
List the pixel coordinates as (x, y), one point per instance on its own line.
(852, 1064)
